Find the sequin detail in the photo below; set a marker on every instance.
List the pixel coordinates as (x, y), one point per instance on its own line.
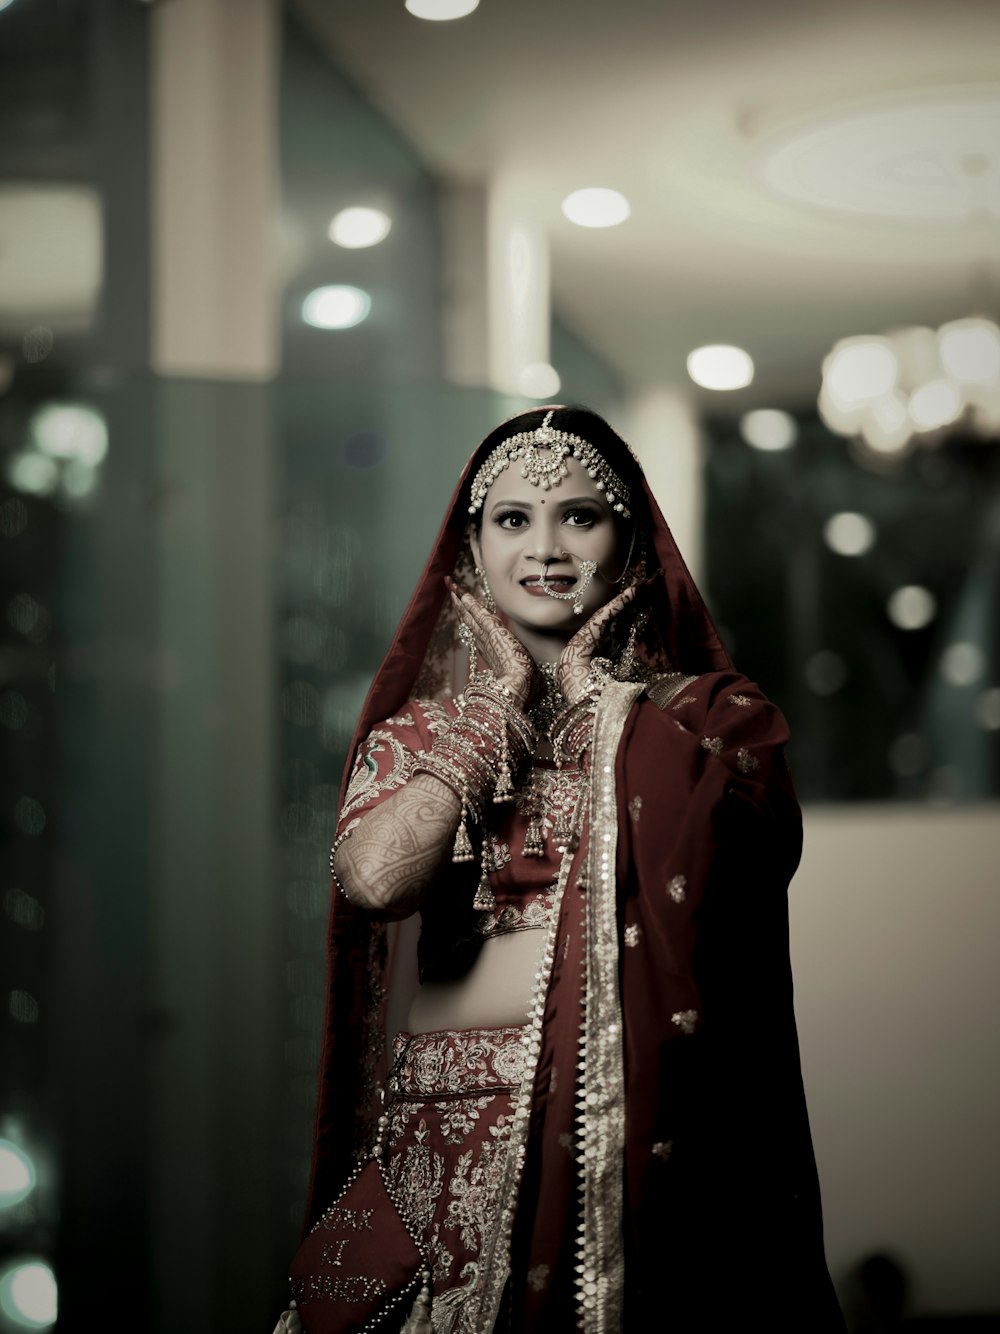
(632, 934)
(746, 761)
(713, 744)
(685, 1020)
(741, 700)
(662, 1149)
(635, 808)
(676, 888)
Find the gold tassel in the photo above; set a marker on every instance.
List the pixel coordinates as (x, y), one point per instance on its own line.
(419, 1319)
(484, 900)
(534, 842)
(462, 851)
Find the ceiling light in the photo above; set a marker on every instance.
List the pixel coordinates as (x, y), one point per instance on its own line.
(768, 429)
(912, 607)
(720, 366)
(357, 228)
(539, 380)
(849, 534)
(338, 307)
(911, 161)
(596, 207)
(440, 10)
(935, 404)
(970, 350)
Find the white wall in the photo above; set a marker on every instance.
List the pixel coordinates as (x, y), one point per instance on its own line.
(896, 949)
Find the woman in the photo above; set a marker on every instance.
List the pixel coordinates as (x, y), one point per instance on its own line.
(594, 1107)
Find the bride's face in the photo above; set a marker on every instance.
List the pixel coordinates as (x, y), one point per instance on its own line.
(526, 530)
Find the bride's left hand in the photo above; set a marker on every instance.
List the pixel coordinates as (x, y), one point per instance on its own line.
(573, 667)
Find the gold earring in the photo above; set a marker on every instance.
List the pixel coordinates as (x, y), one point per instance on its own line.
(488, 600)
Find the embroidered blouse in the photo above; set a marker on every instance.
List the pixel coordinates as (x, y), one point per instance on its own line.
(521, 840)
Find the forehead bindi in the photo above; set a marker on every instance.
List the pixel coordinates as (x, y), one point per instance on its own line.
(510, 486)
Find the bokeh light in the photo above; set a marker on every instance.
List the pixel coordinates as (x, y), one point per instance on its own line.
(962, 663)
(911, 607)
(769, 429)
(29, 1295)
(859, 369)
(70, 431)
(440, 11)
(935, 404)
(358, 228)
(849, 534)
(33, 473)
(720, 366)
(596, 206)
(336, 307)
(970, 350)
(17, 1174)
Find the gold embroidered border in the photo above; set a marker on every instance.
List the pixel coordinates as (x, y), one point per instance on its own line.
(666, 688)
(601, 1107)
(494, 1258)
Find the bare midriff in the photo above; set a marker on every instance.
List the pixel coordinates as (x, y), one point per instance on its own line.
(495, 993)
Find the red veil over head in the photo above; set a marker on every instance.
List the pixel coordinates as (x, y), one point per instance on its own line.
(668, 1141)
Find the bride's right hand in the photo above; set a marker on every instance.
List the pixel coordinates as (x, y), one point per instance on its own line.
(504, 654)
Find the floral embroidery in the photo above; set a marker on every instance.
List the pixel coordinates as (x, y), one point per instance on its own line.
(501, 853)
(459, 1118)
(685, 1020)
(713, 744)
(471, 1060)
(741, 700)
(476, 1188)
(632, 934)
(662, 1149)
(676, 888)
(538, 1277)
(635, 808)
(746, 761)
(687, 699)
(401, 720)
(566, 1142)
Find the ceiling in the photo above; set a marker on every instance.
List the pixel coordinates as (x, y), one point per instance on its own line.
(677, 105)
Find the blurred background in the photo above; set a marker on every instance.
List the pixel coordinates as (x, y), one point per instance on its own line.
(268, 272)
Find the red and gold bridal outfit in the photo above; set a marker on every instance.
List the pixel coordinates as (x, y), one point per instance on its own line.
(642, 1144)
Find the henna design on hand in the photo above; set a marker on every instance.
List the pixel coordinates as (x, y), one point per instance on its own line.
(398, 848)
(503, 653)
(573, 667)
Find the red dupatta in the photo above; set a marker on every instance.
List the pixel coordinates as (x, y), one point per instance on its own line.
(635, 1162)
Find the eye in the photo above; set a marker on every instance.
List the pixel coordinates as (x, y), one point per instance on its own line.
(581, 518)
(511, 520)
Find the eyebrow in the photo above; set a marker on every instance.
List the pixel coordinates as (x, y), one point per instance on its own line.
(527, 504)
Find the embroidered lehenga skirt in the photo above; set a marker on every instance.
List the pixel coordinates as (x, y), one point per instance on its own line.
(451, 1100)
